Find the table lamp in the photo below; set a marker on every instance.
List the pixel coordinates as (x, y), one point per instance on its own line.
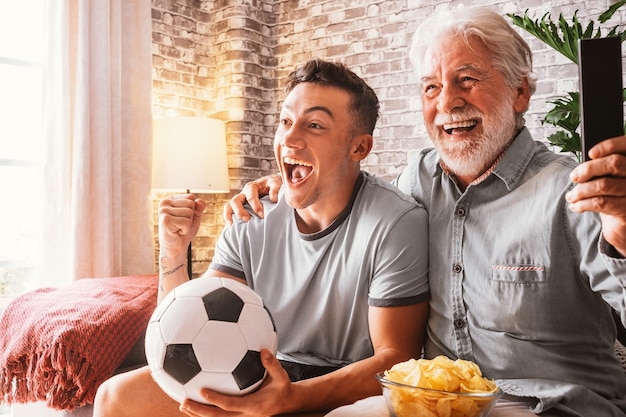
(189, 155)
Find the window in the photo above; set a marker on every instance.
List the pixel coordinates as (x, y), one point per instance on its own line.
(21, 56)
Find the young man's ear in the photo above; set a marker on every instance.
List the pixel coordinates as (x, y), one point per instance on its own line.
(361, 147)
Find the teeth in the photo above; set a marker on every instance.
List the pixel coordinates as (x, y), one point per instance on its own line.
(292, 161)
(461, 124)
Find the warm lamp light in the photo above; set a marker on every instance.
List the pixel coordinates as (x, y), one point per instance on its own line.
(189, 155)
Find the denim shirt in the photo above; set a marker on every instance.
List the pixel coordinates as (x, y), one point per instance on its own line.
(520, 284)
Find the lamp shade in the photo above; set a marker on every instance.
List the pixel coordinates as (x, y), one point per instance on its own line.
(189, 153)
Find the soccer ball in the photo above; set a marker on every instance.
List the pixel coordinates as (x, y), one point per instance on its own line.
(208, 333)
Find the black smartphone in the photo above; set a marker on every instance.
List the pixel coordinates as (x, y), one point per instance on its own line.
(601, 97)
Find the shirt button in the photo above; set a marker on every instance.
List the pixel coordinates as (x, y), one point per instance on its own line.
(458, 323)
(457, 269)
(460, 212)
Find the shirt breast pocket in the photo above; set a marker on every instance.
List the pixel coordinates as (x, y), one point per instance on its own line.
(520, 274)
(518, 295)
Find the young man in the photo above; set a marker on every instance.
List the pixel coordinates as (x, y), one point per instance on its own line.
(341, 262)
(523, 270)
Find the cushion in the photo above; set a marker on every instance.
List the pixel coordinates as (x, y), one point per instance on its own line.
(58, 345)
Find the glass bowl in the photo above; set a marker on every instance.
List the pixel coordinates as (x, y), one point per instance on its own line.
(409, 401)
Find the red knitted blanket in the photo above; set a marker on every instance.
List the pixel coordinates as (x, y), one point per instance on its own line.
(59, 344)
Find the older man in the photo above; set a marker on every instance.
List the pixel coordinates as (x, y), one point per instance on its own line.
(527, 250)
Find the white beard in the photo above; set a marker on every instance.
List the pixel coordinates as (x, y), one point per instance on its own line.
(472, 157)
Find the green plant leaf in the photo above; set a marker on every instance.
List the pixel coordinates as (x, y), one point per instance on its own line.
(566, 143)
(563, 38)
(570, 38)
(610, 11)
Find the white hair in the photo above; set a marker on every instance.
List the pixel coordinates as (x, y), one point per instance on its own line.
(511, 55)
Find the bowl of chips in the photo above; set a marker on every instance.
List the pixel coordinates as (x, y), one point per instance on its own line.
(439, 387)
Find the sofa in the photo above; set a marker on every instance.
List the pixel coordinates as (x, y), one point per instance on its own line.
(82, 334)
(136, 358)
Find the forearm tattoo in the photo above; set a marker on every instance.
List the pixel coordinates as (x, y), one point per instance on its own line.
(165, 273)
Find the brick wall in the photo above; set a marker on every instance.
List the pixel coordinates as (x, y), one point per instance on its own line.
(227, 59)
(214, 59)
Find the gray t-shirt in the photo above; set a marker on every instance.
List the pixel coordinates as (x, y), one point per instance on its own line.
(318, 286)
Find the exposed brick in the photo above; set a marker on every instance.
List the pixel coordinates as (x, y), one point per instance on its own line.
(170, 52)
(355, 13)
(229, 58)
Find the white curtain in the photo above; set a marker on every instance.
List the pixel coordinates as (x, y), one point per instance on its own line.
(97, 133)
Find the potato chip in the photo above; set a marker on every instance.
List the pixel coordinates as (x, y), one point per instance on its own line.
(440, 374)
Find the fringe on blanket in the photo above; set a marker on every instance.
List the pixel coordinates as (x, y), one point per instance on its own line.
(89, 339)
(57, 379)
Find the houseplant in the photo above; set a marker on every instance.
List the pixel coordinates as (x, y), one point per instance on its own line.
(563, 37)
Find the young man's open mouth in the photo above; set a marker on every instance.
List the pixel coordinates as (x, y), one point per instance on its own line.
(296, 170)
